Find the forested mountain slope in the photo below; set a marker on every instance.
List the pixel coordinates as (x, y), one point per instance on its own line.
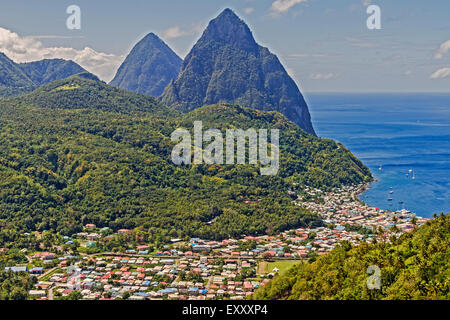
(17, 78)
(78, 151)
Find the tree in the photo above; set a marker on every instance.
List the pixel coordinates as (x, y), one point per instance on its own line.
(74, 295)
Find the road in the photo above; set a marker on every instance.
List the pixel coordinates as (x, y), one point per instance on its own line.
(46, 273)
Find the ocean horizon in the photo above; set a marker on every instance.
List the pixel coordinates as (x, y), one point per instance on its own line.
(404, 139)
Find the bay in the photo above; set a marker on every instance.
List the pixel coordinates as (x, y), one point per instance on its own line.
(404, 135)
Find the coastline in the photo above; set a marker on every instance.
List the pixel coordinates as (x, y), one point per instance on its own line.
(344, 206)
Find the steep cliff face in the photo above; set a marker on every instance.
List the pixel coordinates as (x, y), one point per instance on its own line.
(149, 67)
(227, 65)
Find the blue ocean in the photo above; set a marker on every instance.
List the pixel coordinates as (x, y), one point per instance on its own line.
(403, 138)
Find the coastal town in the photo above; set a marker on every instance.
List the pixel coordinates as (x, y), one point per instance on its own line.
(198, 269)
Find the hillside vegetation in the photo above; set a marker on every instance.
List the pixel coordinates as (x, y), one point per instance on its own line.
(19, 78)
(415, 266)
(78, 151)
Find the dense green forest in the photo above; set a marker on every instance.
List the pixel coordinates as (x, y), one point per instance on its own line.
(14, 91)
(78, 151)
(15, 285)
(414, 266)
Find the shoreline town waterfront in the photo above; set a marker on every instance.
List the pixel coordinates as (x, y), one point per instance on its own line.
(199, 269)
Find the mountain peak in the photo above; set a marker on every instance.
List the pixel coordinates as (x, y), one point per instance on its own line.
(227, 27)
(22, 77)
(151, 41)
(227, 65)
(149, 67)
(228, 13)
(151, 37)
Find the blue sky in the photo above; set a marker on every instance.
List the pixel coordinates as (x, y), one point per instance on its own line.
(324, 44)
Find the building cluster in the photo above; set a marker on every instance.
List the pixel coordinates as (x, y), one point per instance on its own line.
(141, 278)
(342, 208)
(201, 269)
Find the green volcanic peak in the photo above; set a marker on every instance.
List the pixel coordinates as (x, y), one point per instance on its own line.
(48, 70)
(85, 91)
(16, 78)
(227, 65)
(229, 28)
(149, 67)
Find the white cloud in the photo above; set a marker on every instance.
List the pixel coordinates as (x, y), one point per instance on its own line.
(322, 76)
(177, 32)
(27, 49)
(441, 73)
(282, 6)
(443, 49)
(174, 32)
(249, 10)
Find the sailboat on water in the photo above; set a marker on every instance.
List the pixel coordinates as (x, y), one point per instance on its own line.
(409, 172)
(390, 192)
